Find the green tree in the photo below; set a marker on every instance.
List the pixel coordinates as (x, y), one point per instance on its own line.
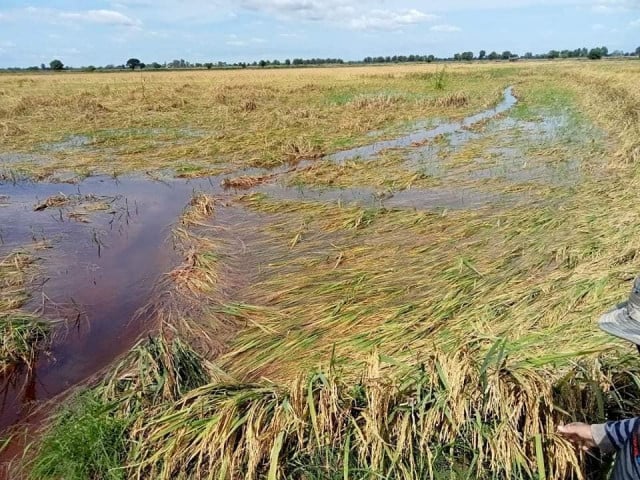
(493, 56)
(133, 63)
(638, 51)
(208, 65)
(482, 54)
(595, 54)
(56, 65)
(506, 55)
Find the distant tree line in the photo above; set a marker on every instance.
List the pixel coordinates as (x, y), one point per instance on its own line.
(135, 63)
(400, 59)
(593, 54)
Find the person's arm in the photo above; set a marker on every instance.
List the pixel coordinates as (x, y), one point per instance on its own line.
(601, 438)
(614, 435)
(608, 437)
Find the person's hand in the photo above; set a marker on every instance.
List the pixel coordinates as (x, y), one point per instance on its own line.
(579, 434)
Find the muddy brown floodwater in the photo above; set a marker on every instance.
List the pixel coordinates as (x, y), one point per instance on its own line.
(99, 269)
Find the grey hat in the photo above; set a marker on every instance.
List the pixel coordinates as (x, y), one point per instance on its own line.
(624, 320)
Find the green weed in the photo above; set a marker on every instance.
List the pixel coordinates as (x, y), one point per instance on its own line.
(87, 441)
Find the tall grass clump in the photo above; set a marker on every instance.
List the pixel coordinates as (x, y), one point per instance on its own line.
(155, 371)
(13, 280)
(22, 335)
(443, 418)
(440, 79)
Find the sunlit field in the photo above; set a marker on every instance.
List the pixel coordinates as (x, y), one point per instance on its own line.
(368, 272)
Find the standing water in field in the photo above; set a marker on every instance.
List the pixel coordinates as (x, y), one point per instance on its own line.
(423, 135)
(103, 244)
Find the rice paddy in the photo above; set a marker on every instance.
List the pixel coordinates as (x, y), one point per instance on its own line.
(388, 272)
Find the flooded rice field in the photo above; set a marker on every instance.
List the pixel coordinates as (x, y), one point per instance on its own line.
(424, 134)
(105, 242)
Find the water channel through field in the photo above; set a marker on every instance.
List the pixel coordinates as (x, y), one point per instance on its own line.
(107, 242)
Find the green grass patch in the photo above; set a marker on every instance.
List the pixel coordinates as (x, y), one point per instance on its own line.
(87, 441)
(544, 98)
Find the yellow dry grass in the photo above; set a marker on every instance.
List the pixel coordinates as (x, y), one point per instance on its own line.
(123, 122)
(21, 335)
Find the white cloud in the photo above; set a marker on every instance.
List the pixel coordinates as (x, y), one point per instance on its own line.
(597, 27)
(346, 13)
(234, 41)
(602, 9)
(635, 23)
(614, 6)
(445, 28)
(55, 16)
(107, 17)
(388, 20)
(329, 11)
(132, 3)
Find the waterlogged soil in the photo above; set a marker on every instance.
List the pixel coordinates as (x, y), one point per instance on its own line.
(103, 245)
(508, 161)
(438, 198)
(105, 242)
(423, 135)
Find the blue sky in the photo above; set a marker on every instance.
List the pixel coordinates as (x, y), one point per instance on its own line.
(101, 32)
